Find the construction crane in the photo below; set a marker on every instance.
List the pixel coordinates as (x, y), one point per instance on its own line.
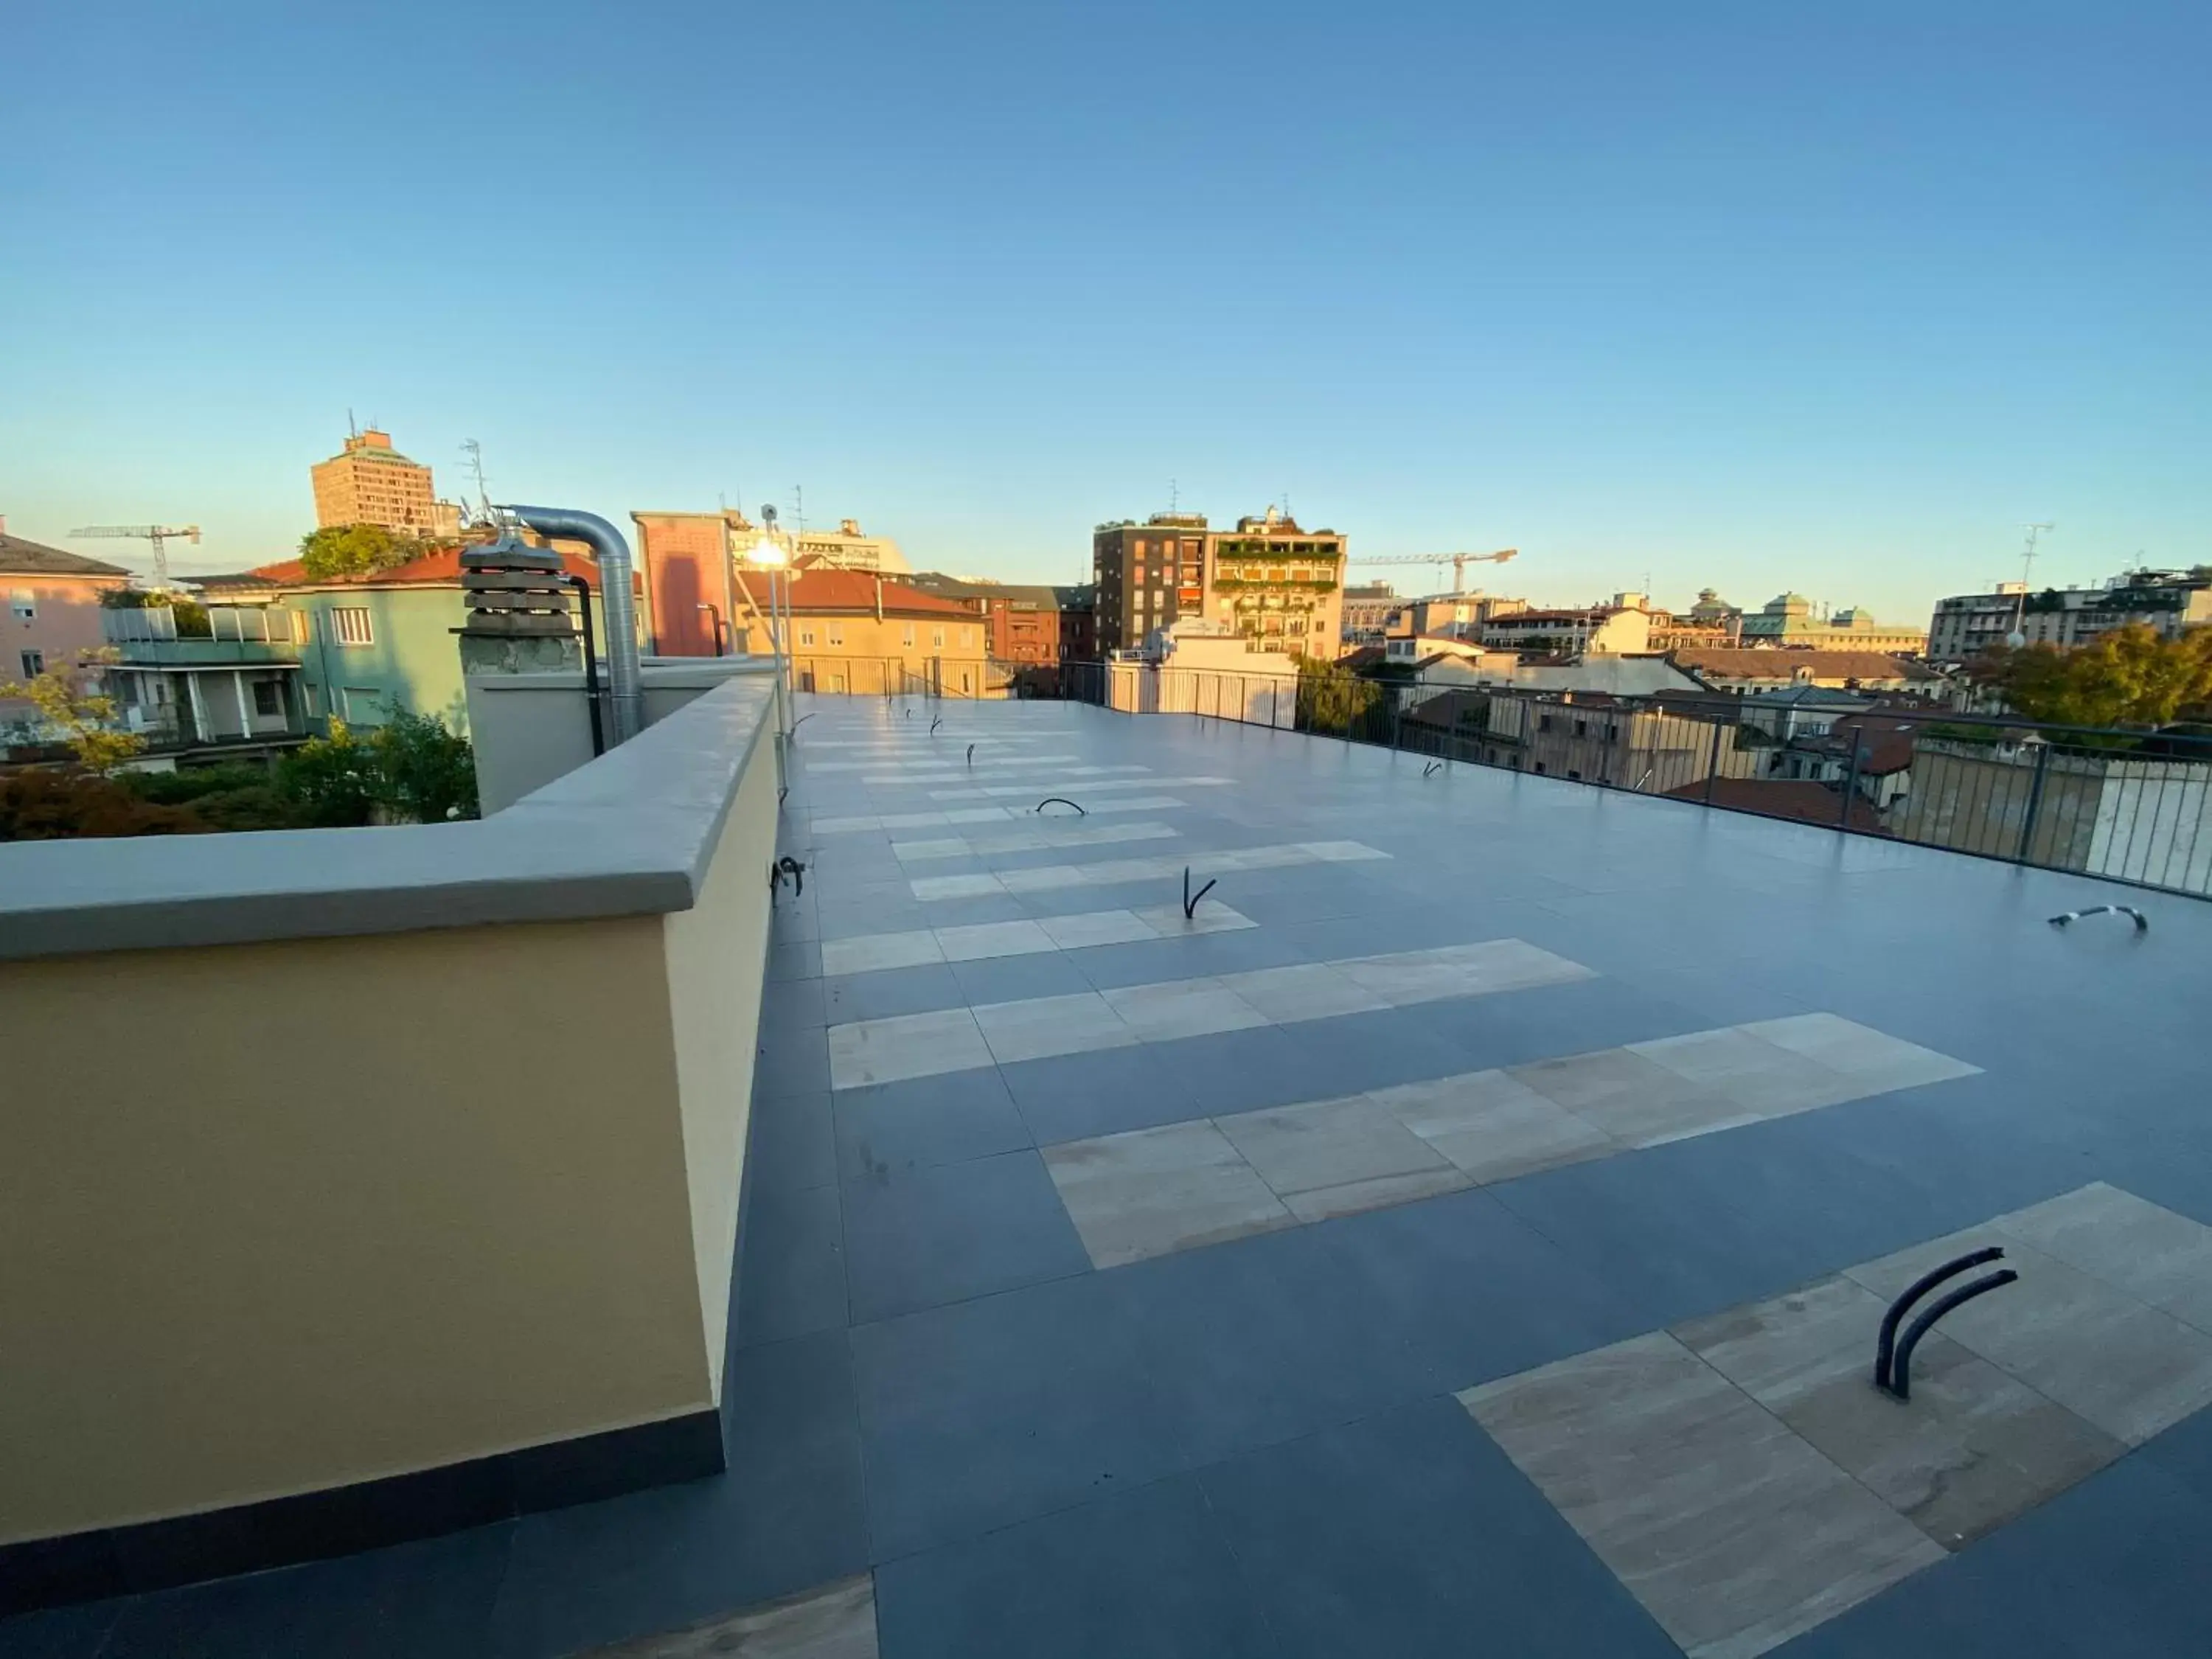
(1458, 562)
(156, 533)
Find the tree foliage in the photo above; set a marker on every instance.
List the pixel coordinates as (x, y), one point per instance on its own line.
(72, 702)
(355, 550)
(410, 770)
(48, 803)
(1331, 698)
(2131, 676)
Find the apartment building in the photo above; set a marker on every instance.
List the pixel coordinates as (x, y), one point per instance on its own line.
(846, 548)
(368, 482)
(1032, 625)
(1616, 628)
(852, 632)
(1147, 575)
(51, 618)
(1751, 668)
(1367, 608)
(2171, 601)
(1275, 584)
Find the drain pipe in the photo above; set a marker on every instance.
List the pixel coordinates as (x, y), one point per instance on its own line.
(625, 698)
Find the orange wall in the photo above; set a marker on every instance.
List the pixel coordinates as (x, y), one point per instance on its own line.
(66, 624)
(682, 556)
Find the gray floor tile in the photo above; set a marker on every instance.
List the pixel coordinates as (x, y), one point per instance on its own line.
(1095, 927)
(791, 1061)
(793, 1143)
(788, 1516)
(1010, 979)
(1633, 1099)
(1410, 1535)
(978, 941)
(1143, 1572)
(1302, 991)
(916, 1238)
(984, 1413)
(836, 1622)
(1873, 1060)
(947, 1119)
(792, 1268)
(69, 1633)
(1151, 1192)
(1074, 1096)
(887, 993)
(2154, 1254)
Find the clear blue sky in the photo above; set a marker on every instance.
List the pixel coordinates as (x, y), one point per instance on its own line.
(1755, 295)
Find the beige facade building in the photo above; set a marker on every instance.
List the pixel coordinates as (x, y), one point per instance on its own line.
(846, 549)
(369, 482)
(852, 633)
(1274, 585)
(1788, 619)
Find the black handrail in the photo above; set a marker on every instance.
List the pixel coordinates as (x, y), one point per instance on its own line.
(1885, 1344)
(1900, 1382)
(1189, 899)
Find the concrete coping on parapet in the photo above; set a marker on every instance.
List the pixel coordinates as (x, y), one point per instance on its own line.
(631, 834)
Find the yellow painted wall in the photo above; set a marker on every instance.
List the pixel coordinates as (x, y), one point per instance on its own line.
(281, 1217)
(717, 957)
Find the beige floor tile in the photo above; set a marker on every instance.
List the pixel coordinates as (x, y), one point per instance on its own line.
(993, 938)
(1182, 1008)
(1079, 932)
(1043, 1026)
(907, 1045)
(2154, 1254)
(1756, 1075)
(838, 1621)
(1876, 1061)
(1972, 1449)
(928, 888)
(1040, 878)
(1634, 1100)
(1211, 916)
(2129, 1369)
(1152, 1192)
(1733, 1532)
(873, 953)
(1307, 991)
(1339, 1156)
(1493, 1126)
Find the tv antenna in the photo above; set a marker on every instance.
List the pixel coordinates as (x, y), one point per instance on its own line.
(474, 451)
(2019, 634)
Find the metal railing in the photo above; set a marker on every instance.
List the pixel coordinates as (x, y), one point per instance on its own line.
(2133, 805)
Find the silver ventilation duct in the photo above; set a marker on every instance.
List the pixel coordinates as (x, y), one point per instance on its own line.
(624, 694)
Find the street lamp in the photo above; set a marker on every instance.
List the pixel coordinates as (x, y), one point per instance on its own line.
(769, 554)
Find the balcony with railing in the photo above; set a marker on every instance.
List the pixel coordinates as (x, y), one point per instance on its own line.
(218, 636)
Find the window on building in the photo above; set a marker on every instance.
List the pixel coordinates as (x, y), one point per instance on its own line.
(24, 605)
(1159, 599)
(34, 664)
(967, 640)
(351, 625)
(906, 633)
(267, 697)
(806, 638)
(836, 633)
(937, 639)
(1543, 723)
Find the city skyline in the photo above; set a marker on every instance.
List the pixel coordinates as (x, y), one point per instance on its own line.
(1830, 305)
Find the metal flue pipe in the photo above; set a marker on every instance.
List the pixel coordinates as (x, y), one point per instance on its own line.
(625, 698)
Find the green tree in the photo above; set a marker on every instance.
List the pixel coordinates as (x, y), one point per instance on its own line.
(2131, 676)
(72, 702)
(410, 770)
(1331, 697)
(355, 550)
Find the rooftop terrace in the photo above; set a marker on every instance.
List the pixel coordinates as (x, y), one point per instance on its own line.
(1463, 1229)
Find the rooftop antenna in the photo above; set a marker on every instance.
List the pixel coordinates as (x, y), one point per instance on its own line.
(353, 427)
(474, 451)
(2018, 637)
(1174, 500)
(798, 508)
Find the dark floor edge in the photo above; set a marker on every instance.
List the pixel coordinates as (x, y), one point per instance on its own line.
(285, 1532)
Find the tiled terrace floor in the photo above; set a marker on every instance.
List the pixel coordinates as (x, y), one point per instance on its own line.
(1248, 1442)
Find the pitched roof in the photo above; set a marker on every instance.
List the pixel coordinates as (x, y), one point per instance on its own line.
(441, 568)
(1801, 799)
(1751, 663)
(21, 558)
(822, 589)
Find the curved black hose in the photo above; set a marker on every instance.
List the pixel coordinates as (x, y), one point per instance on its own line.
(1885, 1343)
(1901, 1382)
(1190, 899)
(1062, 800)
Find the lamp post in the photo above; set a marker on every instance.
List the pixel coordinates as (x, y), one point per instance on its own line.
(768, 553)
